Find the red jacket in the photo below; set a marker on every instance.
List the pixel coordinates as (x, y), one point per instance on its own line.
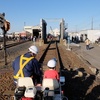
(51, 74)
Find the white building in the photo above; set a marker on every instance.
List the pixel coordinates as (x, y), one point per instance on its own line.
(92, 35)
(28, 28)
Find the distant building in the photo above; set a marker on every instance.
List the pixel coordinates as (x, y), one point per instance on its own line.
(55, 32)
(92, 35)
(34, 30)
(28, 28)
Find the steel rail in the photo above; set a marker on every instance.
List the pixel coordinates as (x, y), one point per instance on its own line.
(14, 44)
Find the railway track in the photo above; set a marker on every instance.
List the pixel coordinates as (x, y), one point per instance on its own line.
(49, 53)
(13, 49)
(11, 44)
(52, 51)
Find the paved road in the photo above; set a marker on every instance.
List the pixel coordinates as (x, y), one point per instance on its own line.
(92, 55)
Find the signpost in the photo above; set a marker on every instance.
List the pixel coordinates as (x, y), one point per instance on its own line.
(2, 20)
(5, 26)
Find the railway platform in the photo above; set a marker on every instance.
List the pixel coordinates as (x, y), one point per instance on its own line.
(92, 56)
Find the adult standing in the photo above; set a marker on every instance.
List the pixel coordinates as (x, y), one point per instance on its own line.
(87, 42)
(27, 65)
(34, 39)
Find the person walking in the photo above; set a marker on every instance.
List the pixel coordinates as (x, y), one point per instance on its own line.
(34, 39)
(87, 42)
(27, 65)
(51, 72)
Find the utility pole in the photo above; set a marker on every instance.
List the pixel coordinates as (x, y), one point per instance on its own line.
(92, 24)
(24, 23)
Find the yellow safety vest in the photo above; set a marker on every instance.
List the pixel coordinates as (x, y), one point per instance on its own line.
(22, 65)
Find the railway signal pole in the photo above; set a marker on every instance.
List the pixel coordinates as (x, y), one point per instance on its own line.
(5, 26)
(4, 43)
(2, 21)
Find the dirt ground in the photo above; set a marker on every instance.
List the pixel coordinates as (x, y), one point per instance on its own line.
(81, 83)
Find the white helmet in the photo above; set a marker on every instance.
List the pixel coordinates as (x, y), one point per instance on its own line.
(33, 49)
(51, 63)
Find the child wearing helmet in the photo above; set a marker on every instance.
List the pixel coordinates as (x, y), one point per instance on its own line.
(51, 72)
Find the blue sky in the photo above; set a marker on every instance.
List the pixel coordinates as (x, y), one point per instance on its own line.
(78, 14)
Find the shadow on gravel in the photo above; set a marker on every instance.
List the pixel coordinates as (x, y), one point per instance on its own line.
(76, 87)
(94, 94)
(79, 86)
(91, 47)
